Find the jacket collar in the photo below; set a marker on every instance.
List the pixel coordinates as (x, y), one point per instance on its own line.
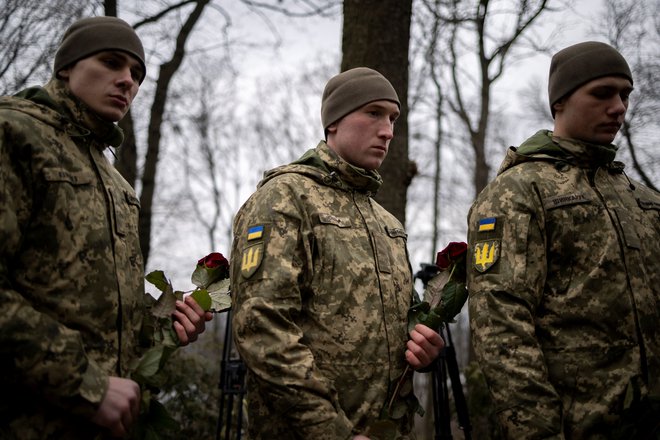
(71, 111)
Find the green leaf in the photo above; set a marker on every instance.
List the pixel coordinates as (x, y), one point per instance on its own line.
(417, 313)
(169, 337)
(150, 362)
(160, 418)
(445, 297)
(203, 277)
(433, 291)
(220, 302)
(154, 422)
(399, 410)
(158, 279)
(419, 307)
(432, 320)
(220, 298)
(200, 277)
(421, 313)
(454, 296)
(201, 296)
(165, 305)
(149, 369)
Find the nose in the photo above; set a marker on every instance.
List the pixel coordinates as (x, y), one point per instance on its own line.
(618, 106)
(386, 129)
(125, 78)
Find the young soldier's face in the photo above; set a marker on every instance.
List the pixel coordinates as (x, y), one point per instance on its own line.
(362, 138)
(594, 113)
(107, 82)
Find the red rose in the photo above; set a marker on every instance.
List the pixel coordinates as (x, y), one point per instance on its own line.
(453, 251)
(213, 260)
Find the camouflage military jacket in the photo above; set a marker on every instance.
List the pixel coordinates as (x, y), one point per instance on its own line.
(71, 276)
(321, 288)
(565, 291)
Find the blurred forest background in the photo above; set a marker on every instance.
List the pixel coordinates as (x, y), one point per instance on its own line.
(233, 89)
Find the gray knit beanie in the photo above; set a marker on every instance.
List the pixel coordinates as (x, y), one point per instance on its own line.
(90, 35)
(351, 90)
(578, 64)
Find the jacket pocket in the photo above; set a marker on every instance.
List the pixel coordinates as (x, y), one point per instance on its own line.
(126, 209)
(67, 198)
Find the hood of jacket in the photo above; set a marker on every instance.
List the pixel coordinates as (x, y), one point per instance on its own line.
(326, 167)
(544, 146)
(55, 105)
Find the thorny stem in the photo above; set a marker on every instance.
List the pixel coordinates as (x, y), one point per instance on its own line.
(396, 389)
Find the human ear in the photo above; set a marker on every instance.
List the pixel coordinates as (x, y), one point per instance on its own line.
(64, 73)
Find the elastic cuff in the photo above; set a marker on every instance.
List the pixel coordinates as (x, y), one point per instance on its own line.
(92, 390)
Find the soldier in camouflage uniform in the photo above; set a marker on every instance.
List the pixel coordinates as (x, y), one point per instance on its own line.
(71, 274)
(322, 283)
(565, 275)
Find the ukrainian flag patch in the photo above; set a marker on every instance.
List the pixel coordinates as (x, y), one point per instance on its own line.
(487, 224)
(255, 232)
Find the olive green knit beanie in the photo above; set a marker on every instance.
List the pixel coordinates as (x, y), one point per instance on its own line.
(90, 35)
(578, 64)
(351, 90)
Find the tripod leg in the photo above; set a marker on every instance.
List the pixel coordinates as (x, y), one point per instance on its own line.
(457, 388)
(218, 430)
(230, 407)
(436, 405)
(239, 417)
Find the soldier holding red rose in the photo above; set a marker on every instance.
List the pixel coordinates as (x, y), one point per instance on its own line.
(322, 284)
(71, 272)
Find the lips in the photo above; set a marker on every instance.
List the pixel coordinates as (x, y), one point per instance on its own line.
(611, 126)
(120, 99)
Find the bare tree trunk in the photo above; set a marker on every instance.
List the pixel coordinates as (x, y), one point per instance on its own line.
(631, 26)
(167, 71)
(434, 72)
(492, 63)
(635, 161)
(376, 34)
(110, 8)
(208, 214)
(126, 162)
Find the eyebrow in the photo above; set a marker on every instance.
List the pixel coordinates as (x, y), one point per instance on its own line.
(123, 55)
(135, 64)
(373, 105)
(612, 88)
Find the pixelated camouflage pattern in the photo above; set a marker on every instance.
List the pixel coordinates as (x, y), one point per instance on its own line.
(321, 323)
(70, 265)
(565, 323)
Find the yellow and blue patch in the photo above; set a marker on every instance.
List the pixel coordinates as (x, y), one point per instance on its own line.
(485, 255)
(253, 252)
(251, 259)
(487, 224)
(255, 232)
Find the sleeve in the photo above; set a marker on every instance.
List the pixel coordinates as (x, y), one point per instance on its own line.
(273, 255)
(506, 277)
(40, 356)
